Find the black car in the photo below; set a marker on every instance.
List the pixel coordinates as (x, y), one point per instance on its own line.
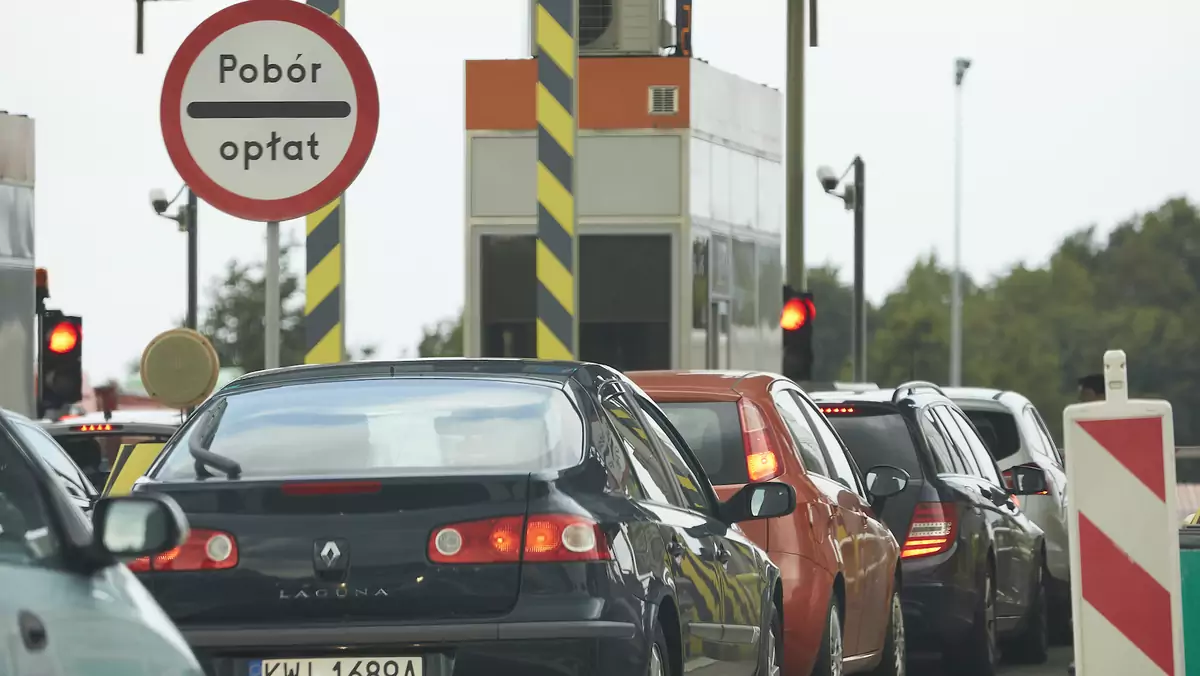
(474, 517)
(973, 565)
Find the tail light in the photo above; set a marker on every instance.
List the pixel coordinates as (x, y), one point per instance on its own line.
(837, 410)
(512, 539)
(933, 528)
(204, 550)
(1011, 485)
(762, 462)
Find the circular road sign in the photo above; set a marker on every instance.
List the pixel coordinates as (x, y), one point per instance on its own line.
(179, 368)
(269, 110)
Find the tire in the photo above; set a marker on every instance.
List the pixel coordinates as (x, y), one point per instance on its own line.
(1059, 612)
(978, 654)
(772, 655)
(895, 649)
(659, 663)
(830, 653)
(1032, 644)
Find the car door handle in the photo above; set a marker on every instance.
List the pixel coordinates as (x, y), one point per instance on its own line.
(675, 549)
(723, 556)
(33, 632)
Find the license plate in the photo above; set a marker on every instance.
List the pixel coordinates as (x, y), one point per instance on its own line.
(339, 666)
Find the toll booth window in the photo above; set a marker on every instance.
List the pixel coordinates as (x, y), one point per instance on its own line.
(700, 282)
(745, 284)
(508, 295)
(625, 285)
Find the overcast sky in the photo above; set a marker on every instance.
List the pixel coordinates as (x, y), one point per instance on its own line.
(1076, 112)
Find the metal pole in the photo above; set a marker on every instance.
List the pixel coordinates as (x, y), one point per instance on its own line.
(192, 237)
(271, 325)
(794, 162)
(961, 66)
(859, 330)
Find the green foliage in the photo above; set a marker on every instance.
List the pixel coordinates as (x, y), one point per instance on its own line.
(234, 318)
(444, 339)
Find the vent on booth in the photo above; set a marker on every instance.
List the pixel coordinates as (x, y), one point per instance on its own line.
(664, 100)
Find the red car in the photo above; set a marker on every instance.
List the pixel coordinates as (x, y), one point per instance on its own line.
(839, 562)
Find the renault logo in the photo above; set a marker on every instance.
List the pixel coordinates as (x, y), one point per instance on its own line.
(330, 555)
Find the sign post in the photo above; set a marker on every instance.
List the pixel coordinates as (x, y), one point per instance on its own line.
(269, 111)
(1125, 575)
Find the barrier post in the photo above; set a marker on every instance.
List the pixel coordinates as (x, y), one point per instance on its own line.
(1125, 574)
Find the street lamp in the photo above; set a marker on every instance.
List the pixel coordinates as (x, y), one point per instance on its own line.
(185, 217)
(854, 198)
(960, 70)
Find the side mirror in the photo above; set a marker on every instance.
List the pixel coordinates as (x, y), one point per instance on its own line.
(884, 481)
(1026, 480)
(760, 501)
(134, 526)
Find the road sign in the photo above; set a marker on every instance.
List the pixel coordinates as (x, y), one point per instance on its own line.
(179, 368)
(269, 110)
(1124, 532)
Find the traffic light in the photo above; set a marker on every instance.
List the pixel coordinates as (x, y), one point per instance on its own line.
(796, 320)
(62, 361)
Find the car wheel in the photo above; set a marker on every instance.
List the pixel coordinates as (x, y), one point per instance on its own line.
(895, 651)
(1032, 644)
(978, 653)
(659, 663)
(772, 656)
(829, 653)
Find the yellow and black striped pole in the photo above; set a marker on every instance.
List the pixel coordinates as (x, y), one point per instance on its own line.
(325, 257)
(556, 27)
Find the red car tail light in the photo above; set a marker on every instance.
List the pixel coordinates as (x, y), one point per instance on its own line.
(934, 526)
(204, 550)
(510, 539)
(762, 462)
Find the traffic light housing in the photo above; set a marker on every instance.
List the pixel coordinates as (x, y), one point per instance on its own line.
(62, 361)
(796, 321)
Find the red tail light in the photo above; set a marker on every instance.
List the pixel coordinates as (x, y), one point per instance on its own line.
(1011, 485)
(837, 410)
(544, 537)
(933, 528)
(204, 550)
(762, 462)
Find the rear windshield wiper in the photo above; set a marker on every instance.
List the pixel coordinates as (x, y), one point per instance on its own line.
(202, 438)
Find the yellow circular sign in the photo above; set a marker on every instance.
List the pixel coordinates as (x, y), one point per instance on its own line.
(179, 368)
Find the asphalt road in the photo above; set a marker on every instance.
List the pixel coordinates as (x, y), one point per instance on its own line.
(1055, 666)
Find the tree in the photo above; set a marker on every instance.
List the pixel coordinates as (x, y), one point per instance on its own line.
(443, 339)
(234, 318)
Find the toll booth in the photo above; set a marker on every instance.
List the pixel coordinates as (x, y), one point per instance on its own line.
(680, 205)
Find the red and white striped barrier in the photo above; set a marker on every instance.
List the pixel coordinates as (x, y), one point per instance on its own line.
(1124, 532)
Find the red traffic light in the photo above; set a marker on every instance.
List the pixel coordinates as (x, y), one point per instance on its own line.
(63, 338)
(796, 313)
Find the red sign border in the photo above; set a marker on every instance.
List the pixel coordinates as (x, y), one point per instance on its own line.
(367, 108)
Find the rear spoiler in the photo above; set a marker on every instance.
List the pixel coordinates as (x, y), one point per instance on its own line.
(835, 386)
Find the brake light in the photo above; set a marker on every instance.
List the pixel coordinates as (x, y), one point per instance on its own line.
(512, 539)
(932, 530)
(762, 462)
(95, 428)
(204, 550)
(836, 410)
(332, 488)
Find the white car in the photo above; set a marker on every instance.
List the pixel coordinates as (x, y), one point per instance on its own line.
(1016, 435)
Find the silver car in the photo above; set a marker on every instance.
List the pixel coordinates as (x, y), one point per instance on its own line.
(1016, 435)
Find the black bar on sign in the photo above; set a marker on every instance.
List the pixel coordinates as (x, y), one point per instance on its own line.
(229, 110)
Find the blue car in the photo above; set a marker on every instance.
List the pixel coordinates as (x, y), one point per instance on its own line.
(69, 606)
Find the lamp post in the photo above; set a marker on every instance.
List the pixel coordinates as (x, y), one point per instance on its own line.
(853, 196)
(186, 217)
(960, 70)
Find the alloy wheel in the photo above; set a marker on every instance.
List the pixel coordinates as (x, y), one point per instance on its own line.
(772, 656)
(656, 662)
(898, 645)
(989, 616)
(835, 643)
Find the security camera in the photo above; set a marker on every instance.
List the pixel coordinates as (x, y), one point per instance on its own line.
(158, 200)
(829, 180)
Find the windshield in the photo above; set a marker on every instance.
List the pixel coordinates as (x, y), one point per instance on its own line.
(375, 427)
(713, 430)
(877, 437)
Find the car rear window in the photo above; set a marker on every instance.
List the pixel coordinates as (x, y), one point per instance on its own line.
(713, 430)
(425, 425)
(875, 437)
(998, 429)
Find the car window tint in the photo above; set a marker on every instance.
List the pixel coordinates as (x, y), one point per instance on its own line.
(685, 478)
(983, 458)
(26, 536)
(333, 427)
(713, 430)
(835, 450)
(65, 470)
(998, 429)
(875, 436)
(653, 478)
(959, 447)
(802, 433)
(943, 459)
